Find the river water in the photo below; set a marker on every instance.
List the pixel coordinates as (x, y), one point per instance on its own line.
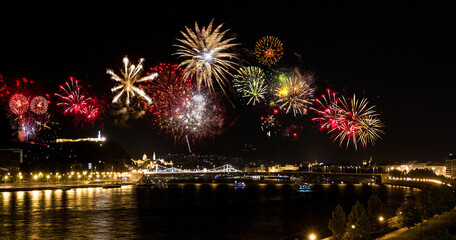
(183, 211)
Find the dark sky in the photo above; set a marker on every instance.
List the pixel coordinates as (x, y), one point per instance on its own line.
(399, 54)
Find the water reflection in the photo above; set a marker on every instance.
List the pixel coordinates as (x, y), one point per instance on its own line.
(202, 211)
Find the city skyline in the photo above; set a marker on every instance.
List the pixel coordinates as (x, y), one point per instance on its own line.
(398, 55)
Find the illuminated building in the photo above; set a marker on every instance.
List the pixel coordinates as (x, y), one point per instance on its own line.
(146, 163)
(280, 168)
(440, 169)
(97, 139)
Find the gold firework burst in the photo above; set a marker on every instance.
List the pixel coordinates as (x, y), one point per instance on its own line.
(268, 50)
(294, 94)
(131, 75)
(206, 55)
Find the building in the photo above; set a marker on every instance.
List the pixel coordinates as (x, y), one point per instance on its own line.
(147, 163)
(260, 168)
(10, 159)
(450, 165)
(281, 168)
(437, 167)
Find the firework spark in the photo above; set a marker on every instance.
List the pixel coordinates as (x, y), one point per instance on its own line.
(294, 94)
(28, 109)
(360, 122)
(18, 104)
(206, 55)
(268, 50)
(196, 118)
(130, 75)
(76, 101)
(327, 111)
(250, 82)
(351, 121)
(72, 97)
(39, 105)
(166, 91)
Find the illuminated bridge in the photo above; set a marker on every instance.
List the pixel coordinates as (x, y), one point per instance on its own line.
(160, 169)
(229, 171)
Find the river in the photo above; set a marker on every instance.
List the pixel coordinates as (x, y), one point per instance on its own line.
(183, 211)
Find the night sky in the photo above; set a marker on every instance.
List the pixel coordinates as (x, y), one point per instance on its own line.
(399, 54)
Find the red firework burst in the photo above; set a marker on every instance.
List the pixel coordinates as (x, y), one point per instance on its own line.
(329, 115)
(348, 120)
(75, 100)
(39, 105)
(167, 90)
(28, 109)
(72, 97)
(18, 104)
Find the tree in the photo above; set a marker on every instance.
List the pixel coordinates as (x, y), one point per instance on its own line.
(409, 213)
(421, 173)
(358, 226)
(395, 173)
(376, 211)
(337, 223)
(436, 199)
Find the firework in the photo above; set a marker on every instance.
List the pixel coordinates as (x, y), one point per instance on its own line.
(360, 124)
(351, 121)
(18, 104)
(250, 82)
(3, 87)
(167, 91)
(197, 117)
(91, 111)
(294, 94)
(28, 110)
(206, 55)
(268, 124)
(268, 50)
(72, 97)
(76, 102)
(130, 76)
(327, 111)
(39, 105)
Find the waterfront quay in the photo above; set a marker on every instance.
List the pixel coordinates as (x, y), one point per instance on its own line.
(10, 187)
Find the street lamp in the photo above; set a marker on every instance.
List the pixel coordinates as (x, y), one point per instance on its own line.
(312, 236)
(380, 219)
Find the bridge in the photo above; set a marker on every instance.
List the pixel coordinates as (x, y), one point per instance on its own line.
(161, 169)
(227, 170)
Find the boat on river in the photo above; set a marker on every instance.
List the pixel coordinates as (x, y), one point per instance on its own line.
(239, 185)
(302, 186)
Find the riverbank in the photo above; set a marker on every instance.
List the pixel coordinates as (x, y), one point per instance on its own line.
(14, 187)
(438, 227)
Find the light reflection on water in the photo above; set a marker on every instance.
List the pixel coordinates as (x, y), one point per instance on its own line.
(183, 211)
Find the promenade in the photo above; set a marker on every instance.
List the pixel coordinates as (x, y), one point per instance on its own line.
(12, 187)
